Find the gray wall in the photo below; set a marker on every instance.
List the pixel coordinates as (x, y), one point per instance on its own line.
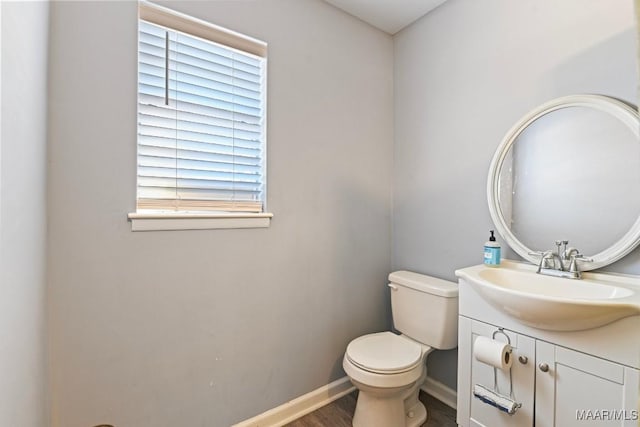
(23, 374)
(211, 327)
(464, 74)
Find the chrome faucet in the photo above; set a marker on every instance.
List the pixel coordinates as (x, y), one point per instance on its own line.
(554, 263)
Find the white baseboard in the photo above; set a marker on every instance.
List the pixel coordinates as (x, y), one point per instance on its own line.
(441, 392)
(300, 406)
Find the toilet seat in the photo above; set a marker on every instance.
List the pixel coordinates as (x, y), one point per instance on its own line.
(384, 353)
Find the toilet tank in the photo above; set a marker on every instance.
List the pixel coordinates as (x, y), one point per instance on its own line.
(425, 308)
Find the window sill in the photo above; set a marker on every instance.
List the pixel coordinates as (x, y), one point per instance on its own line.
(197, 221)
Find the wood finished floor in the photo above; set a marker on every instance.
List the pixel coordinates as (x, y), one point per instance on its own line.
(339, 413)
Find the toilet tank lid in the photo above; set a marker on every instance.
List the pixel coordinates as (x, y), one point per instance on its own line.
(424, 283)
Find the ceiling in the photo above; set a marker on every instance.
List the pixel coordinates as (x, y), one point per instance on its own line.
(390, 16)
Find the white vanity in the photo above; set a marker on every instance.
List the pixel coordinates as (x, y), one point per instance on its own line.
(574, 335)
(558, 375)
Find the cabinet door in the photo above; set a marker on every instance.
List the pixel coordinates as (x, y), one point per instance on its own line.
(482, 414)
(575, 389)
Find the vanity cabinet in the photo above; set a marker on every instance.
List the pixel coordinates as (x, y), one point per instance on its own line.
(557, 386)
(575, 378)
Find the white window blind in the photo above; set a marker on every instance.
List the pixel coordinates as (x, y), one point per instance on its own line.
(201, 123)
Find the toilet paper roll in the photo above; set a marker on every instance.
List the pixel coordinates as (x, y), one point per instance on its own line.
(493, 353)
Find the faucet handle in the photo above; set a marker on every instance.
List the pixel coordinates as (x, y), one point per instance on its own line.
(581, 257)
(546, 259)
(573, 266)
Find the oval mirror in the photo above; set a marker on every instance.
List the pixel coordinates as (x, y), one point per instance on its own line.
(570, 170)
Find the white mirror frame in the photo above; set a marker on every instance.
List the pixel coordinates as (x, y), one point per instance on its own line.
(625, 113)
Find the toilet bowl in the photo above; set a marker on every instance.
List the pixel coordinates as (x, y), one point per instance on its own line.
(387, 368)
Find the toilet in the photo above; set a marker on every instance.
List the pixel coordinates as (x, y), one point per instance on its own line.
(387, 368)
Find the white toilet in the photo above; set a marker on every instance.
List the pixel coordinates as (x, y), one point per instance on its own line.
(388, 369)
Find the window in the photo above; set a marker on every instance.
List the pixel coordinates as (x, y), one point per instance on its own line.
(201, 120)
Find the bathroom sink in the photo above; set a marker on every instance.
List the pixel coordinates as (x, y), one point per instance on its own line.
(554, 303)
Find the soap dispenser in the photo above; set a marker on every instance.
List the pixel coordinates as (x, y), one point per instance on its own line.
(492, 252)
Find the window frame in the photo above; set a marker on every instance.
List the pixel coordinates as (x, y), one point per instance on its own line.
(150, 220)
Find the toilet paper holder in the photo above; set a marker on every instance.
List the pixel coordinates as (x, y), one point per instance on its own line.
(493, 397)
(495, 370)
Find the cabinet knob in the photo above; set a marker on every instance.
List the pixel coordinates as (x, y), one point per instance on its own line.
(523, 359)
(543, 367)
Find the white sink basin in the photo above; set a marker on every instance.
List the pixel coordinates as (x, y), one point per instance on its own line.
(554, 303)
